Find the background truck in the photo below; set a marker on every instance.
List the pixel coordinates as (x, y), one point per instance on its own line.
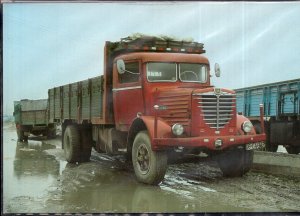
(153, 99)
(282, 112)
(31, 118)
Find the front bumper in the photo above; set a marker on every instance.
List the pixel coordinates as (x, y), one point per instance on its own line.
(207, 142)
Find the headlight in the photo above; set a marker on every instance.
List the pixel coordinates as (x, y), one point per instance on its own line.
(177, 129)
(247, 126)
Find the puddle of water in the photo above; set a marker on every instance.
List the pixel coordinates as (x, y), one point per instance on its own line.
(33, 176)
(27, 170)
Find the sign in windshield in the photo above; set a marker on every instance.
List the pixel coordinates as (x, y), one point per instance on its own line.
(161, 72)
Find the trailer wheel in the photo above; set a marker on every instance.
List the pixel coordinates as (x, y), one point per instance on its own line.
(86, 144)
(20, 134)
(149, 166)
(235, 162)
(36, 133)
(293, 149)
(72, 144)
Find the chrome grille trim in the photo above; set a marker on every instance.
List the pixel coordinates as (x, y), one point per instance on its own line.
(216, 109)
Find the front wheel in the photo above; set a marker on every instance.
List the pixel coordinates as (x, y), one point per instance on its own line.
(235, 162)
(149, 166)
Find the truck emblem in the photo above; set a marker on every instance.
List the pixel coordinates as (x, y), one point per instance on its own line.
(218, 91)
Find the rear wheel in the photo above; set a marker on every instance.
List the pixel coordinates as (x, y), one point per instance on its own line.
(149, 166)
(72, 144)
(86, 144)
(235, 162)
(293, 149)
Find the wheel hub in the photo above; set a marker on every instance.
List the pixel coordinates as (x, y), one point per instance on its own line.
(143, 159)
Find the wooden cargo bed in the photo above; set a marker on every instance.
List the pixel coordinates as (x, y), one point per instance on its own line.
(79, 101)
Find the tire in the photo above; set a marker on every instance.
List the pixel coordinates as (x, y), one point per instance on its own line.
(235, 162)
(154, 166)
(21, 136)
(72, 144)
(36, 133)
(19, 133)
(86, 144)
(293, 149)
(269, 146)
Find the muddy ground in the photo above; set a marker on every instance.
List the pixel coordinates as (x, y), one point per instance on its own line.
(37, 179)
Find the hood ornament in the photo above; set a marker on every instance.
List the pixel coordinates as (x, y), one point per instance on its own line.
(218, 91)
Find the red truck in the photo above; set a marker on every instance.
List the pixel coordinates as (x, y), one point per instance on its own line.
(153, 99)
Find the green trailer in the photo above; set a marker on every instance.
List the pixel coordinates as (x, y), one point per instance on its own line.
(31, 117)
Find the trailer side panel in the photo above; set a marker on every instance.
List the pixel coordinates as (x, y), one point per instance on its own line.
(79, 101)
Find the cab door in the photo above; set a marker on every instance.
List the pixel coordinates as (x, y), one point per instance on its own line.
(127, 95)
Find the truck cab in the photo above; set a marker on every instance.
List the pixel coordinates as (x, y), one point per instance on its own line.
(149, 76)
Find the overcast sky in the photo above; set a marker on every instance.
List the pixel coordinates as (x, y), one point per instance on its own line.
(48, 45)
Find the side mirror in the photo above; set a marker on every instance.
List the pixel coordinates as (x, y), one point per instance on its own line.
(121, 66)
(217, 70)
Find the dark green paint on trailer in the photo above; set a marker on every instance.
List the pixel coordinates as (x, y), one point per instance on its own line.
(79, 101)
(31, 112)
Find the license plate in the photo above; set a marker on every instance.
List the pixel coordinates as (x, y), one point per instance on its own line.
(256, 146)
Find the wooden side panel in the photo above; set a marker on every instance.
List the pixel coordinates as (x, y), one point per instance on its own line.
(34, 117)
(57, 105)
(85, 100)
(40, 117)
(66, 102)
(28, 117)
(51, 105)
(80, 101)
(74, 101)
(96, 97)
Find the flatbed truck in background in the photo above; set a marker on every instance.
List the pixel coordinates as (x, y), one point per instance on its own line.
(31, 117)
(281, 102)
(154, 99)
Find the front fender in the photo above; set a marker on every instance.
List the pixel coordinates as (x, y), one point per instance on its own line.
(240, 119)
(147, 123)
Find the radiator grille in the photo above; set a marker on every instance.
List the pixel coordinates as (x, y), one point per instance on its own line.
(217, 110)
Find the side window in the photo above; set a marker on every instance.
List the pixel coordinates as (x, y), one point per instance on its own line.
(131, 74)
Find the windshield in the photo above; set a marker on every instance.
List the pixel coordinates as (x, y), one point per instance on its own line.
(167, 72)
(192, 72)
